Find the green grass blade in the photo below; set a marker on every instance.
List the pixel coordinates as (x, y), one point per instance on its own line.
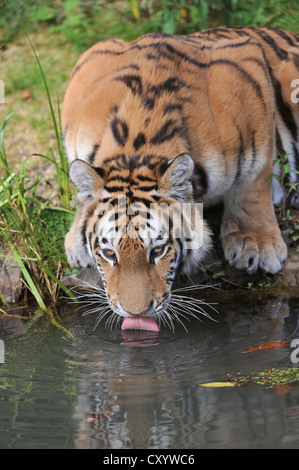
(55, 279)
(3, 157)
(62, 171)
(28, 278)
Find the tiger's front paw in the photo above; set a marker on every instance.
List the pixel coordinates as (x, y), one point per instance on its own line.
(250, 252)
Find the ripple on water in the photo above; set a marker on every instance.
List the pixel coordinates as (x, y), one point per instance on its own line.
(147, 382)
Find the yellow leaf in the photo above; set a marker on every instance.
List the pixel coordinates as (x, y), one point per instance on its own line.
(135, 9)
(218, 384)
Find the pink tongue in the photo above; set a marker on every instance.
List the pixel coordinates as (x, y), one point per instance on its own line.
(141, 323)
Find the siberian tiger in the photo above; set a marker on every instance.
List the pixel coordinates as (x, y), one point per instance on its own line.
(168, 121)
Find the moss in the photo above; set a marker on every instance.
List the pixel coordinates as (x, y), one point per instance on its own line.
(270, 377)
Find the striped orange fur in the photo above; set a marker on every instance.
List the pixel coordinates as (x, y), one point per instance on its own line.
(179, 119)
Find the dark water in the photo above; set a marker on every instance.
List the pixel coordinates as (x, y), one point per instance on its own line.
(129, 390)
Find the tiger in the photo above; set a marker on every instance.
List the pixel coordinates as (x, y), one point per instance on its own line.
(173, 121)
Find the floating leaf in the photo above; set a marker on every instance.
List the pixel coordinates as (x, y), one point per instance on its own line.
(218, 384)
(282, 390)
(265, 346)
(94, 416)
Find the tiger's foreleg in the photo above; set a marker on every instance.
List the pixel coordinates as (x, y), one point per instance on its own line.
(250, 234)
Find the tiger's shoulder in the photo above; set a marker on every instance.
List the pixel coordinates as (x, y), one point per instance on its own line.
(160, 64)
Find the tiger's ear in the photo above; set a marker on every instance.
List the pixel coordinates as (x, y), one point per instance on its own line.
(175, 181)
(88, 180)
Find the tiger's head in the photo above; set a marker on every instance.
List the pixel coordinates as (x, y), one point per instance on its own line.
(137, 224)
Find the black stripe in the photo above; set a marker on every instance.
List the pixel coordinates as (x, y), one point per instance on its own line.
(100, 171)
(172, 107)
(145, 178)
(139, 141)
(240, 157)
(253, 150)
(283, 108)
(96, 243)
(260, 63)
(199, 181)
(245, 74)
(150, 161)
(147, 188)
(220, 35)
(83, 233)
(170, 85)
(120, 131)
(163, 167)
(296, 61)
(166, 132)
(227, 62)
(281, 53)
(91, 157)
(114, 189)
(118, 177)
(167, 51)
(294, 35)
(114, 202)
(130, 66)
(133, 82)
(284, 35)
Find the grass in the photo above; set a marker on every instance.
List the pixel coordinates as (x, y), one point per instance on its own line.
(83, 22)
(32, 227)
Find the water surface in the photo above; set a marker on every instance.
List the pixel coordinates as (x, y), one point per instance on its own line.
(128, 390)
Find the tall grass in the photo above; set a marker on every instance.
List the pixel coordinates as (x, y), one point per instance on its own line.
(31, 227)
(61, 166)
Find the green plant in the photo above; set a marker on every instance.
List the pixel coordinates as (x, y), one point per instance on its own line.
(285, 171)
(30, 232)
(290, 226)
(30, 226)
(186, 16)
(83, 22)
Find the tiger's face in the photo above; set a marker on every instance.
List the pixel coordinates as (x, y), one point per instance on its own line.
(140, 227)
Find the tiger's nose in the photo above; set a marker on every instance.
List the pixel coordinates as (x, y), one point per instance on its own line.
(140, 314)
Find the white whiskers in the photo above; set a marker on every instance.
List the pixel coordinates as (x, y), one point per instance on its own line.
(183, 307)
(95, 297)
(178, 308)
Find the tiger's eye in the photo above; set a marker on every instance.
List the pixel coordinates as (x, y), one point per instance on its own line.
(110, 254)
(157, 251)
